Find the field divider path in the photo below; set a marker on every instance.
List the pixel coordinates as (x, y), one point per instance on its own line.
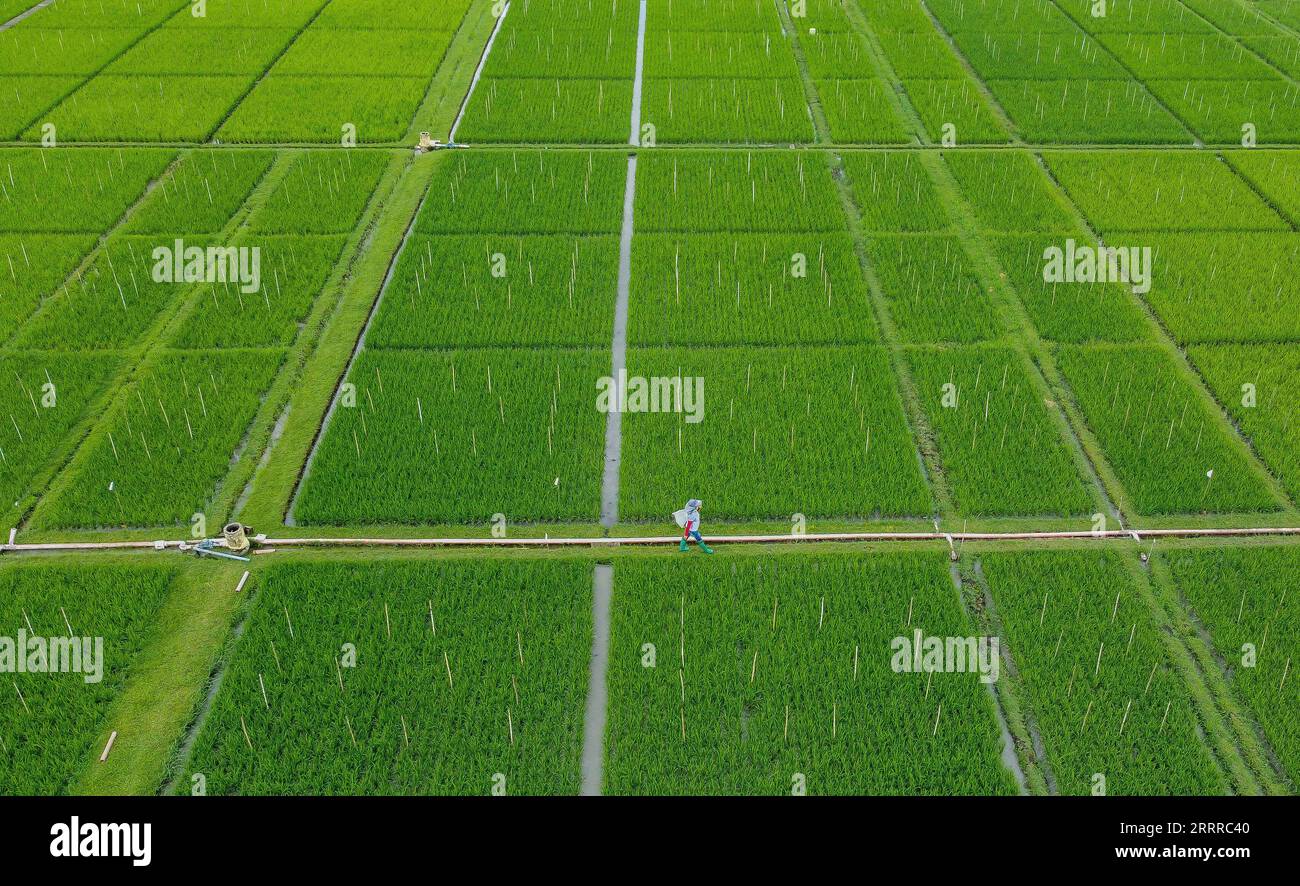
(478, 72)
(267, 545)
(593, 722)
(23, 16)
(356, 352)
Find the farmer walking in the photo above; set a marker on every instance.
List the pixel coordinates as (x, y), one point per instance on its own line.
(689, 519)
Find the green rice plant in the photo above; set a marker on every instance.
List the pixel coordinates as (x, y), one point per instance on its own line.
(1256, 384)
(293, 271)
(1282, 52)
(1102, 687)
(160, 455)
(530, 110)
(861, 112)
(1038, 55)
(1285, 11)
(1008, 191)
(920, 55)
(112, 302)
(321, 193)
(1217, 110)
(1028, 16)
(706, 111)
(525, 192)
(1212, 288)
(42, 50)
(788, 680)
(365, 53)
(23, 97)
(719, 54)
(1194, 56)
(279, 14)
(144, 107)
(31, 267)
(1276, 174)
(1069, 312)
(958, 103)
(894, 192)
(758, 449)
(999, 442)
(73, 190)
(836, 54)
(712, 15)
(1139, 191)
(500, 290)
(1238, 19)
(513, 432)
(469, 677)
(604, 54)
(1137, 16)
(43, 396)
(1165, 440)
(1087, 112)
(1245, 598)
(819, 15)
(895, 15)
(138, 15)
(202, 194)
(440, 15)
(932, 292)
(233, 51)
(566, 15)
(51, 723)
(714, 289)
(753, 192)
(325, 109)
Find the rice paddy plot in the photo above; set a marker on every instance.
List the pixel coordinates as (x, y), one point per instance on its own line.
(160, 455)
(1245, 599)
(500, 290)
(1071, 111)
(525, 192)
(861, 112)
(1008, 191)
(1142, 191)
(320, 193)
(528, 110)
(768, 433)
(1212, 288)
(81, 190)
(463, 677)
(52, 721)
(32, 266)
(718, 111)
(594, 54)
(1111, 706)
(714, 289)
(512, 432)
(1256, 385)
(144, 107)
(1064, 311)
(1000, 442)
(777, 675)
(328, 110)
(956, 109)
(895, 193)
(702, 192)
(202, 194)
(932, 292)
(1220, 110)
(44, 396)
(1037, 55)
(1163, 437)
(719, 55)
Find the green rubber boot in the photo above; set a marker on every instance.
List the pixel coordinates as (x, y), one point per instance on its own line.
(682, 546)
(705, 548)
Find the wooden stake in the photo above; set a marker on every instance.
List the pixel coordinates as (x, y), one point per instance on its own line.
(405, 737)
(1166, 716)
(348, 720)
(937, 714)
(1124, 722)
(753, 668)
(855, 664)
(388, 625)
(510, 724)
(289, 620)
(262, 683)
(243, 726)
(1286, 670)
(1085, 716)
(108, 747)
(446, 661)
(1097, 669)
